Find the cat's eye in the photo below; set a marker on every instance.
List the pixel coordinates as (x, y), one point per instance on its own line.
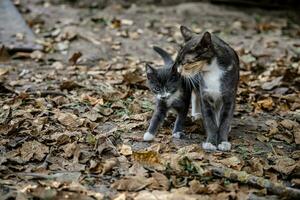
(156, 89)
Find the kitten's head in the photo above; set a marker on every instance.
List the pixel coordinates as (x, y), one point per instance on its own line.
(163, 81)
(197, 48)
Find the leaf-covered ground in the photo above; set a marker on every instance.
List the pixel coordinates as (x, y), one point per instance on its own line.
(73, 115)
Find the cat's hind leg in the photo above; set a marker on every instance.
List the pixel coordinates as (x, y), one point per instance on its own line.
(225, 126)
(180, 120)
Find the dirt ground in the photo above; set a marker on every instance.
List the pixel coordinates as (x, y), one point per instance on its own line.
(73, 115)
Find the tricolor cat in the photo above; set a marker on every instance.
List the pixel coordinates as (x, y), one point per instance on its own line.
(215, 79)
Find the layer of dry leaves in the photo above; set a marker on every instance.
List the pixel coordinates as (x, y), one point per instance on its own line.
(72, 116)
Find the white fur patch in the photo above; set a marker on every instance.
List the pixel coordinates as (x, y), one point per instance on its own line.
(148, 136)
(224, 146)
(173, 97)
(209, 146)
(212, 80)
(196, 110)
(177, 135)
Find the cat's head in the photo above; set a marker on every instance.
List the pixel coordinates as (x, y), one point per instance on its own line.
(163, 81)
(196, 48)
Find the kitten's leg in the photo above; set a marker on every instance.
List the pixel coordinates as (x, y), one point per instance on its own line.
(179, 123)
(155, 122)
(209, 123)
(196, 109)
(225, 126)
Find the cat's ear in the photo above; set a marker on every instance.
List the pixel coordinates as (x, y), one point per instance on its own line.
(164, 55)
(186, 33)
(205, 41)
(150, 71)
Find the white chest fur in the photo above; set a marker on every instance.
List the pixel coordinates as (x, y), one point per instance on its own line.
(212, 80)
(173, 97)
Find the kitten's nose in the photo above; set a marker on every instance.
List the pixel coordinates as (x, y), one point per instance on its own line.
(165, 96)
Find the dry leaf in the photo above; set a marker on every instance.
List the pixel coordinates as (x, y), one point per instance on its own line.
(33, 149)
(297, 136)
(161, 181)
(4, 55)
(289, 124)
(74, 58)
(272, 84)
(131, 183)
(126, 150)
(67, 119)
(137, 170)
(266, 104)
(232, 162)
(196, 187)
(109, 165)
(69, 85)
(3, 71)
(284, 165)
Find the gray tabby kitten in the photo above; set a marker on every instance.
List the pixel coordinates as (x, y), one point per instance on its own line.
(172, 92)
(217, 83)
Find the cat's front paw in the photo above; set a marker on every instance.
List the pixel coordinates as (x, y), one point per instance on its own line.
(148, 136)
(177, 135)
(209, 146)
(224, 146)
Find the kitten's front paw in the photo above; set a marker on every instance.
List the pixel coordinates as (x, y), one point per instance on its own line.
(209, 146)
(177, 135)
(224, 146)
(148, 136)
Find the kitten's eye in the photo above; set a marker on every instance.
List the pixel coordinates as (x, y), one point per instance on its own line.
(156, 89)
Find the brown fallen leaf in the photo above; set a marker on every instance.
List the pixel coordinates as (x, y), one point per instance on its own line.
(74, 58)
(92, 100)
(137, 170)
(232, 162)
(284, 165)
(272, 84)
(256, 167)
(161, 181)
(197, 188)
(297, 136)
(37, 55)
(67, 119)
(3, 71)
(131, 183)
(214, 188)
(266, 104)
(33, 149)
(4, 55)
(289, 124)
(125, 150)
(166, 195)
(69, 85)
(109, 165)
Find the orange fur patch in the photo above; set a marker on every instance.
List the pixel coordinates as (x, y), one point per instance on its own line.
(191, 69)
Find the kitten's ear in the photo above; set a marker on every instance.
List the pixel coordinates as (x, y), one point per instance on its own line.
(186, 33)
(150, 71)
(205, 41)
(165, 55)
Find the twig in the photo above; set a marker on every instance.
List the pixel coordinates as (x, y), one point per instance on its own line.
(243, 177)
